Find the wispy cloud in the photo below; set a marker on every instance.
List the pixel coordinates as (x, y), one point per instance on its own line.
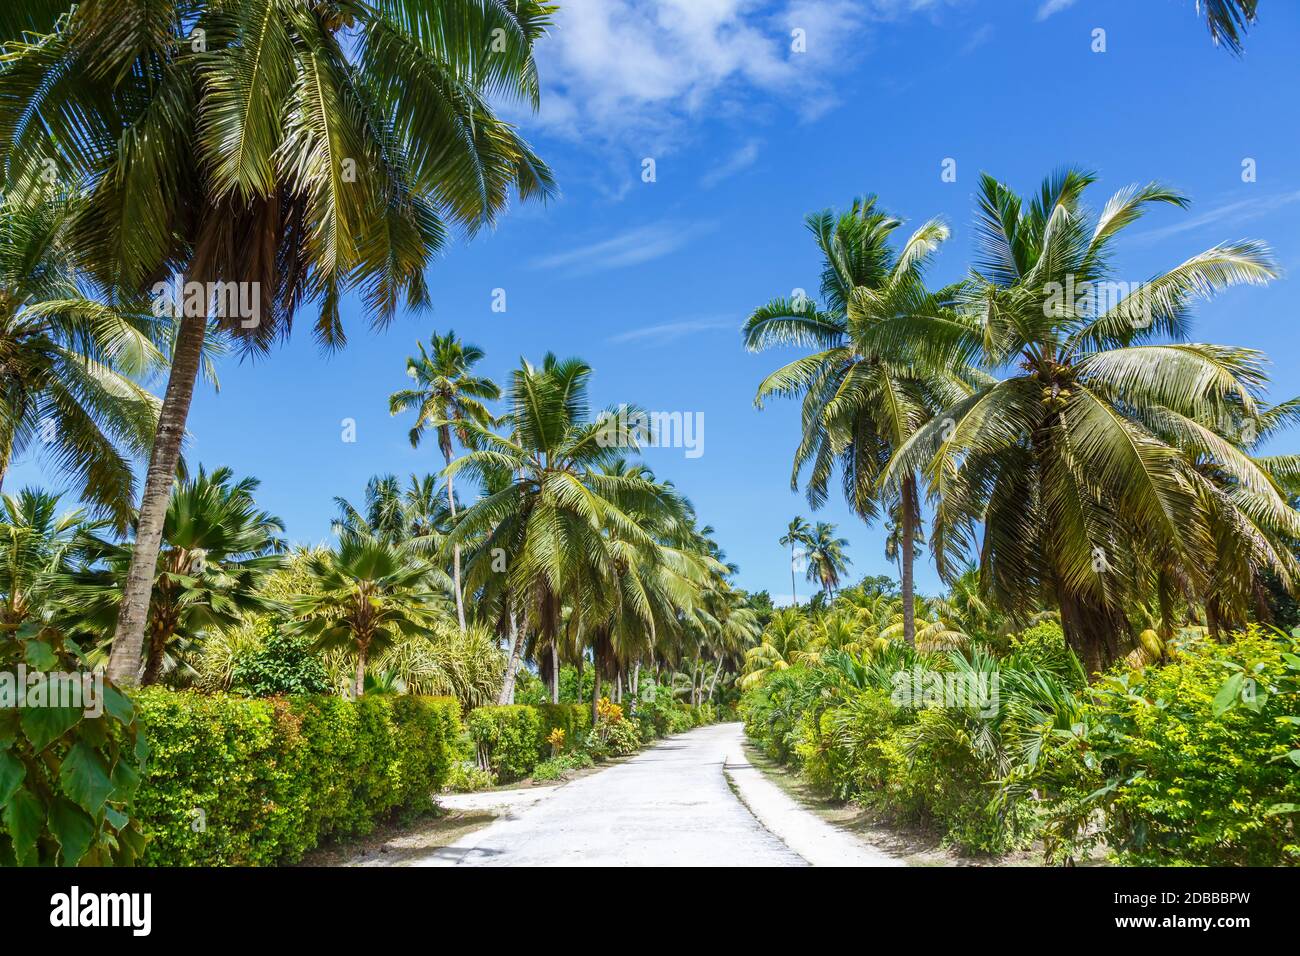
(672, 331)
(977, 39)
(1050, 8)
(1225, 214)
(742, 158)
(630, 248)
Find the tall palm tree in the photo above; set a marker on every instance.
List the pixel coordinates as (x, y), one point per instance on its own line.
(365, 596)
(302, 149)
(554, 502)
(1094, 467)
(796, 535)
(446, 395)
(66, 361)
(826, 558)
(218, 551)
(860, 401)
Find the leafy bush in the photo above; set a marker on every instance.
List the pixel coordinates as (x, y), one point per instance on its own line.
(558, 768)
(282, 665)
(66, 778)
(467, 777)
(573, 719)
(233, 781)
(1191, 763)
(509, 739)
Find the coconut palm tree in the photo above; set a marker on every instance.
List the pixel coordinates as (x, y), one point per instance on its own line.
(1089, 467)
(365, 596)
(826, 558)
(218, 551)
(543, 531)
(446, 394)
(796, 535)
(38, 552)
(860, 402)
(282, 153)
(66, 361)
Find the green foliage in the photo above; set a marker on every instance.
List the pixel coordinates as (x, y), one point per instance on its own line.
(573, 719)
(232, 781)
(284, 664)
(558, 768)
(467, 777)
(508, 739)
(1192, 763)
(66, 778)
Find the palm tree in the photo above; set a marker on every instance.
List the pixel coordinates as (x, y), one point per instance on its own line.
(218, 551)
(826, 558)
(796, 535)
(1109, 463)
(446, 394)
(553, 504)
(365, 596)
(860, 402)
(38, 552)
(66, 361)
(281, 150)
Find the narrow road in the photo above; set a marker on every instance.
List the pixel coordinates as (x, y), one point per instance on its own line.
(671, 805)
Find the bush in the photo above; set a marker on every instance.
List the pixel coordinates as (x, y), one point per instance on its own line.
(232, 781)
(1190, 763)
(467, 777)
(282, 665)
(508, 738)
(558, 768)
(573, 719)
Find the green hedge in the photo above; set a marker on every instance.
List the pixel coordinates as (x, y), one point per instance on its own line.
(234, 781)
(507, 739)
(511, 740)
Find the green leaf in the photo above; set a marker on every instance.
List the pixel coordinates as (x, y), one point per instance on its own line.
(84, 778)
(118, 704)
(40, 655)
(1279, 808)
(12, 773)
(73, 828)
(1228, 691)
(1295, 757)
(44, 724)
(24, 818)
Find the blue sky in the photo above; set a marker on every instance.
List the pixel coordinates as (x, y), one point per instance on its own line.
(649, 282)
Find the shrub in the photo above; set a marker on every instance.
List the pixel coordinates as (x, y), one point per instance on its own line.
(573, 719)
(232, 781)
(67, 776)
(509, 739)
(282, 665)
(467, 777)
(558, 768)
(1190, 763)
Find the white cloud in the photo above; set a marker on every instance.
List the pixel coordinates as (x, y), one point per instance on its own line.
(741, 159)
(1226, 214)
(633, 247)
(1050, 8)
(672, 331)
(632, 71)
(977, 39)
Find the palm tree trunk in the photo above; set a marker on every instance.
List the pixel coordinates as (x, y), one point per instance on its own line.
(555, 674)
(455, 551)
(507, 695)
(794, 589)
(636, 683)
(713, 684)
(908, 557)
(128, 639)
(359, 688)
(595, 692)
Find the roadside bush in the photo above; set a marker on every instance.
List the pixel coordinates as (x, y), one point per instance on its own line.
(573, 719)
(282, 665)
(467, 777)
(508, 738)
(1190, 763)
(558, 768)
(233, 781)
